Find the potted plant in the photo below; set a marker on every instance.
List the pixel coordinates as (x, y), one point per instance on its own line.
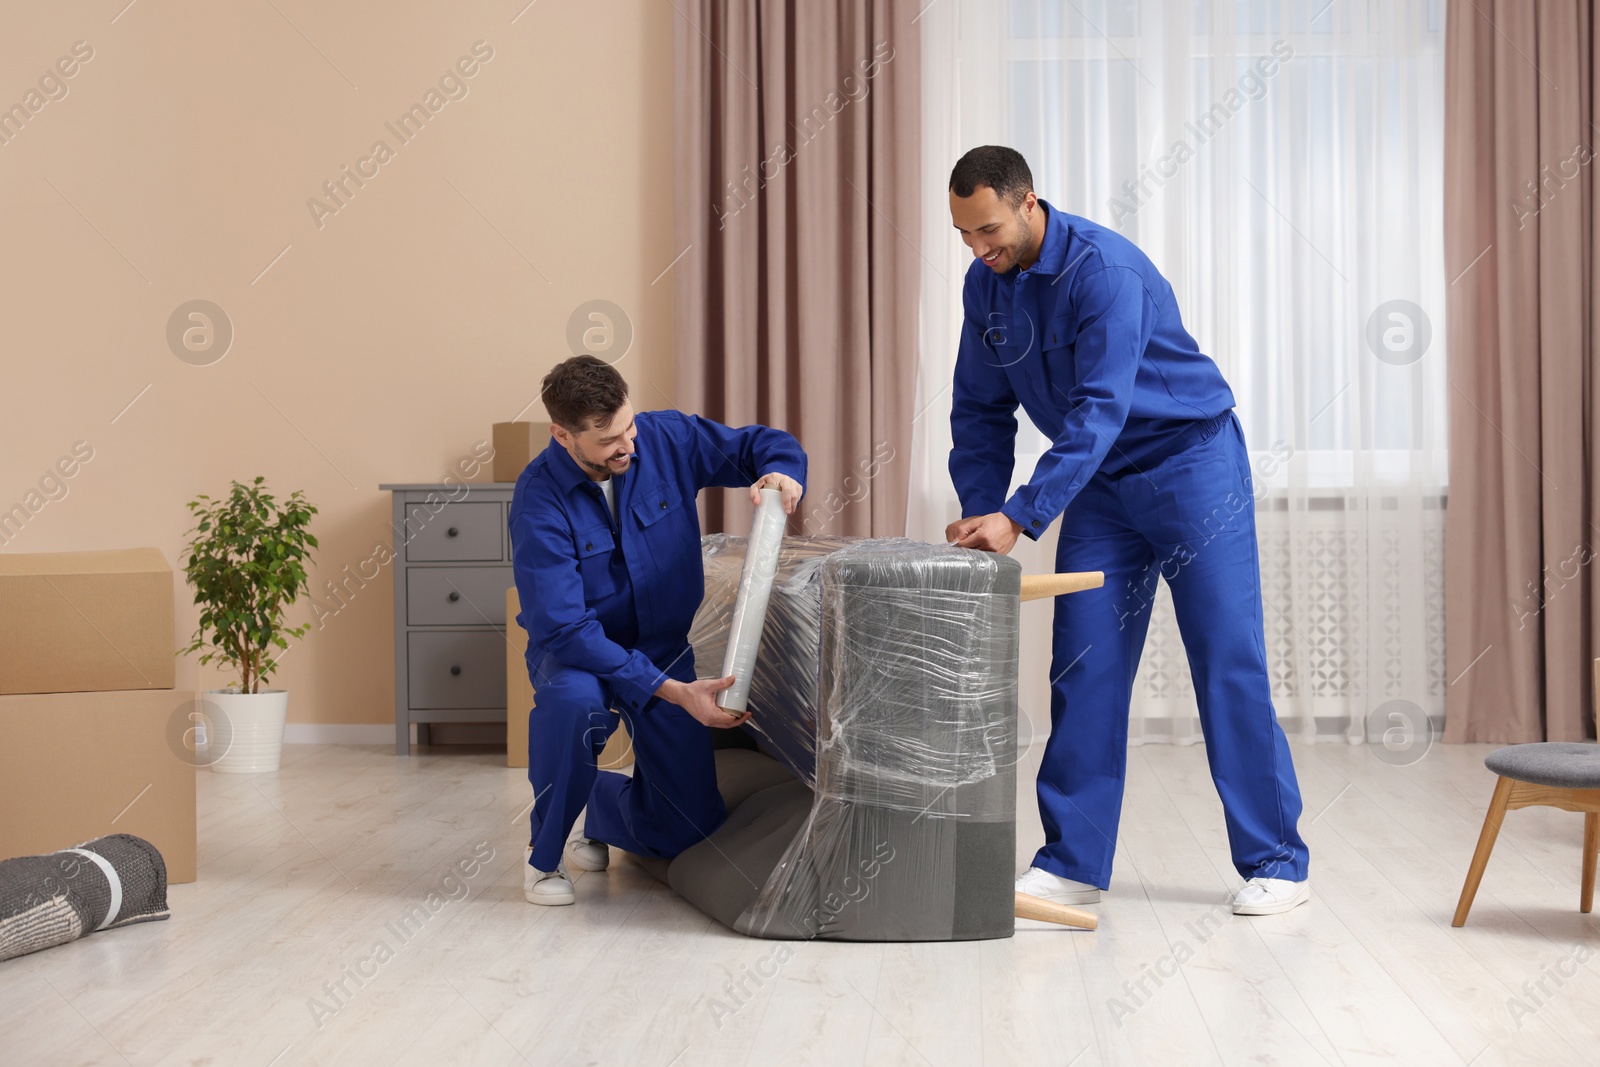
(247, 563)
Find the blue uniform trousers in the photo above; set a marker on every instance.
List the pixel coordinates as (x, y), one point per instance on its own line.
(671, 801)
(1190, 519)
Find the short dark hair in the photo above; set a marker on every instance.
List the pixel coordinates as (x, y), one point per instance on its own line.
(583, 388)
(1001, 169)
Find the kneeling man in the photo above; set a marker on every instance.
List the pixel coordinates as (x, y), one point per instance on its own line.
(605, 544)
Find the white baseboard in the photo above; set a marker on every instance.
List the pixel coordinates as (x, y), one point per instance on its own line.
(317, 733)
(325, 733)
(328, 733)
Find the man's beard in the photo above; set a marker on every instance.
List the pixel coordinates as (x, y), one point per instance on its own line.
(597, 468)
(1024, 247)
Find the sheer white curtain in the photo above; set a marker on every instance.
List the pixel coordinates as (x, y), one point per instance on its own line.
(1281, 164)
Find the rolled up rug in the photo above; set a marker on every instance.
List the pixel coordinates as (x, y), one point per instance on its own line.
(49, 900)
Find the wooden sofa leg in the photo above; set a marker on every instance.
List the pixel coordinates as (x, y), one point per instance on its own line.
(1480, 858)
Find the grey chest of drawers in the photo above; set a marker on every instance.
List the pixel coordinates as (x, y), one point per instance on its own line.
(452, 568)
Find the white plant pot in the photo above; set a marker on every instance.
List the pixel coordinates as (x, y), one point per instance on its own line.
(246, 736)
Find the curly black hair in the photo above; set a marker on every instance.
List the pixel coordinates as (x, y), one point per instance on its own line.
(1001, 169)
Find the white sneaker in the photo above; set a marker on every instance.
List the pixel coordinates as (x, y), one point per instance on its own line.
(1270, 896)
(587, 854)
(545, 887)
(1037, 882)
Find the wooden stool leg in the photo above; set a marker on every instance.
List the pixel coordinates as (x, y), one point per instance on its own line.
(1591, 843)
(1480, 858)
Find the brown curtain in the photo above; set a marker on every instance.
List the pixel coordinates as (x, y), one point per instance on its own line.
(1520, 239)
(797, 178)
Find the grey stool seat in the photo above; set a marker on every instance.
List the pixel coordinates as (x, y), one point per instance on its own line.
(1563, 764)
(1555, 774)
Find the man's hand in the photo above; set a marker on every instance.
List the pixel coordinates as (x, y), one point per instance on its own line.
(994, 532)
(699, 699)
(792, 490)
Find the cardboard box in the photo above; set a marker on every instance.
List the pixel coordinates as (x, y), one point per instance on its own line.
(515, 445)
(78, 622)
(618, 752)
(75, 766)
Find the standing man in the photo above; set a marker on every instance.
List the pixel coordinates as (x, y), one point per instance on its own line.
(1149, 472)
(605, 547)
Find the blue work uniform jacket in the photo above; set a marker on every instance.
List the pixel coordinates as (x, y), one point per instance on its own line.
(615, 596)
(1089, 342)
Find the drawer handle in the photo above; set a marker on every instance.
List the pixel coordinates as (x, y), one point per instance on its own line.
(452, 531)
(455, 670)
(454, 596)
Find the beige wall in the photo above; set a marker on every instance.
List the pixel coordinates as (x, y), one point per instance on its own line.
(381, 346)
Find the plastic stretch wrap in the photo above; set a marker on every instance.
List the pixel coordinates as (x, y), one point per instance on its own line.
(887, 685)
(783, 686)
(750, 602)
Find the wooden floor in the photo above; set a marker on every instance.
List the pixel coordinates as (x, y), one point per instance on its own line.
(305, 872)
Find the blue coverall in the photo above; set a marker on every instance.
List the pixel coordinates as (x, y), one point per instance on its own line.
(1148, 468)
(607, 605)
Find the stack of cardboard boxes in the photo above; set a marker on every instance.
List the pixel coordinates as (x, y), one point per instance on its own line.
(94, 739)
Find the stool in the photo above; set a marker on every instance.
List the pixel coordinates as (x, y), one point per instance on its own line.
(1556, 774)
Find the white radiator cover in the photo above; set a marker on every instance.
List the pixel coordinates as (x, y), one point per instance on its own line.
(1354, 610)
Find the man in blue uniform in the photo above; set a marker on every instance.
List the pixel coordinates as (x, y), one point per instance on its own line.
(605, 544)
(1148, 469)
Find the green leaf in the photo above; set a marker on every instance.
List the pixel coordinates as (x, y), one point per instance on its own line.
(241, 566)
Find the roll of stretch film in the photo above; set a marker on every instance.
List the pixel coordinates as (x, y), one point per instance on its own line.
(750, 603)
